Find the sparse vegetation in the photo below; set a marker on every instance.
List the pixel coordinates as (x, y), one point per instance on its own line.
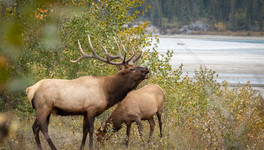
(199, 114)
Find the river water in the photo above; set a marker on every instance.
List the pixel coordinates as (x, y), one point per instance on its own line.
(235, 59)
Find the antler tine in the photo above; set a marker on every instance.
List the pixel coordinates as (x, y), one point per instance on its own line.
(124, 48)
(83, 54)
(119, 51)
(137, 58)
(90, 43)
(124, 60)
(133, 55)
(110, 57)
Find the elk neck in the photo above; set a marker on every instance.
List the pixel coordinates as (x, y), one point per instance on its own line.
(115, 120)
(116, 88)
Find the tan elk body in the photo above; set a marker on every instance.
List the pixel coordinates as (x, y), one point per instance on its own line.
(88, 96)
(141, 104)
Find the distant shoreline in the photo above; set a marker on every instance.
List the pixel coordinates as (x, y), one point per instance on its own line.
(194, 36)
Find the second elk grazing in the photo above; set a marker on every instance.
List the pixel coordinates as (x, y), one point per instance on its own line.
(141, 104)
(88, 96)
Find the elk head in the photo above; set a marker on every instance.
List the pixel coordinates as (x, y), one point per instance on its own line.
(101, 132)
(125, 66)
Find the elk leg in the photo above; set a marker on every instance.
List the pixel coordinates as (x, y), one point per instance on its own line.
(44, 130)
(36, 129)
(85, 131)
(91, 130)
(160, 123)
(152, 125)
(128, 133)
(140, 129)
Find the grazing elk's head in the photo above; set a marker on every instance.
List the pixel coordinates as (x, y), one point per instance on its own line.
(126, 68)
(101, 132)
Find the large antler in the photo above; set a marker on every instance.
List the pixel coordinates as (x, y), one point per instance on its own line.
(109, 57)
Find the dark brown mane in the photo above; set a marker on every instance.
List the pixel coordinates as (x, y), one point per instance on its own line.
(118, 83)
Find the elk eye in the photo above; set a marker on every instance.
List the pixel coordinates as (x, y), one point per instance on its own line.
(132, 69)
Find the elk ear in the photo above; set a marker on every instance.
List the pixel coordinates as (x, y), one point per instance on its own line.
(123, 72)
(101, 129)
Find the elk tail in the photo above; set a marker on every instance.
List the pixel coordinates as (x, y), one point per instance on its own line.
(30, 95)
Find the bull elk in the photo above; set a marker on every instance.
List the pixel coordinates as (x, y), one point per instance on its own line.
(141, 104)
(88, 96)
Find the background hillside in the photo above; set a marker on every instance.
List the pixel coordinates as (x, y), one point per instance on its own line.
(221, 15)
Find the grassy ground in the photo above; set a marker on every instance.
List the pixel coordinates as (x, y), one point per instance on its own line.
(66, 133)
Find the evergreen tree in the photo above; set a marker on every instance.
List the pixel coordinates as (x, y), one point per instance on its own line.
(234, 14)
